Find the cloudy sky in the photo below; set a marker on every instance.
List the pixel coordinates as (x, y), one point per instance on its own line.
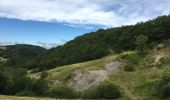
(53, 22)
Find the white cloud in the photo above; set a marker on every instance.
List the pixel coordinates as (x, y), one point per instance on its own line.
(109, 13)
(47, 45)
(42, 44)
(9, 43)
(50, 45)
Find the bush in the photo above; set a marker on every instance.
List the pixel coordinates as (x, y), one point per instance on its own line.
(133, 58)
(163, 87)
(164, 61)
(129, 67)
(62, 91)
(90, 93)
(26, 93)
(165, 91)
(106, 90)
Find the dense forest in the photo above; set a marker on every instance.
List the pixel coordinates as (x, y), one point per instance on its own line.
(18, 55)
(97, 44)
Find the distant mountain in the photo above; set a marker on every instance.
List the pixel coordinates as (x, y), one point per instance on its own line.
(18, 55)
(95, 45)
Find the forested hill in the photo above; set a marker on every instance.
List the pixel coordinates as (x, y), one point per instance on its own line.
(18, 55)
(95, 45)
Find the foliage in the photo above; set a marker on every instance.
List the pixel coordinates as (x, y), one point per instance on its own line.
(106, 90)
(132, 61)
(20, 54)
(164, 61)
(62, 91)
(165, 91)
(167, 43)
(97, 44)
(90, 93)
(163, 87)
(12, 81)
(38, 86)
(129, 67)
(41, 85)
(141, 44)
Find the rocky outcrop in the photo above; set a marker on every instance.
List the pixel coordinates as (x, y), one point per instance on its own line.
(81, 79)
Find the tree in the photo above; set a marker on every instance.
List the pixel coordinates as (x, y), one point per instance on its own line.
(141, 42)
(41, 85)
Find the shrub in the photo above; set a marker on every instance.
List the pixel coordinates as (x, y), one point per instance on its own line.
(165, 91)
(129, 67)
(62, 91)
(165, 79)
(106, 90)
(26, 93)
(163, 87)
(90, 93)
(164, 61)
(133, 58)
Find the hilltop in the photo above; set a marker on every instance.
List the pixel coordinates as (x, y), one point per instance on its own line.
(18, 55)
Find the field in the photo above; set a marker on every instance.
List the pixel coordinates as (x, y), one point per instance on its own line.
(3, 97)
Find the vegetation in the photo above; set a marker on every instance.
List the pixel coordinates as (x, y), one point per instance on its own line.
(97, 44)
(106, 90)
(131, 62)
(12, 81)
(141, 42)
(148, 78)
(19, 55)
(63, 91)
(5, 97)
(163, 87)
(15, 82)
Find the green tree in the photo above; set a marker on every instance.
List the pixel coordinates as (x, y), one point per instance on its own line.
(41, 85)
(141, 42)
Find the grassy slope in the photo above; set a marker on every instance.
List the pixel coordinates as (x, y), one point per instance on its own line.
(63, 73)
(139, 84)
(134, 85)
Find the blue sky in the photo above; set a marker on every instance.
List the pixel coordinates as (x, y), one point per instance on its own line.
(53, 22)
(45, 34)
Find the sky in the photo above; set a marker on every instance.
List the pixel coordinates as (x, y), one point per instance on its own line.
(49, 23)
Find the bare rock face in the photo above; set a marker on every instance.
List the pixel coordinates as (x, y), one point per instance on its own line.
(158, 57)
(81, 80)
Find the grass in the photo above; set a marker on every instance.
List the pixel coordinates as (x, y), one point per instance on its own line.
(4, 97)
(136, 85)
(2, 59)
(64, 72)
(139, 84)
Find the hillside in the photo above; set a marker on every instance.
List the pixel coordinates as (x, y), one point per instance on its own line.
(18, 55)
(137, 84)
(98, 44)
(123, 63)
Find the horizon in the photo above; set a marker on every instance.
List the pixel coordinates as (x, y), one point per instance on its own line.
(46, 25)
